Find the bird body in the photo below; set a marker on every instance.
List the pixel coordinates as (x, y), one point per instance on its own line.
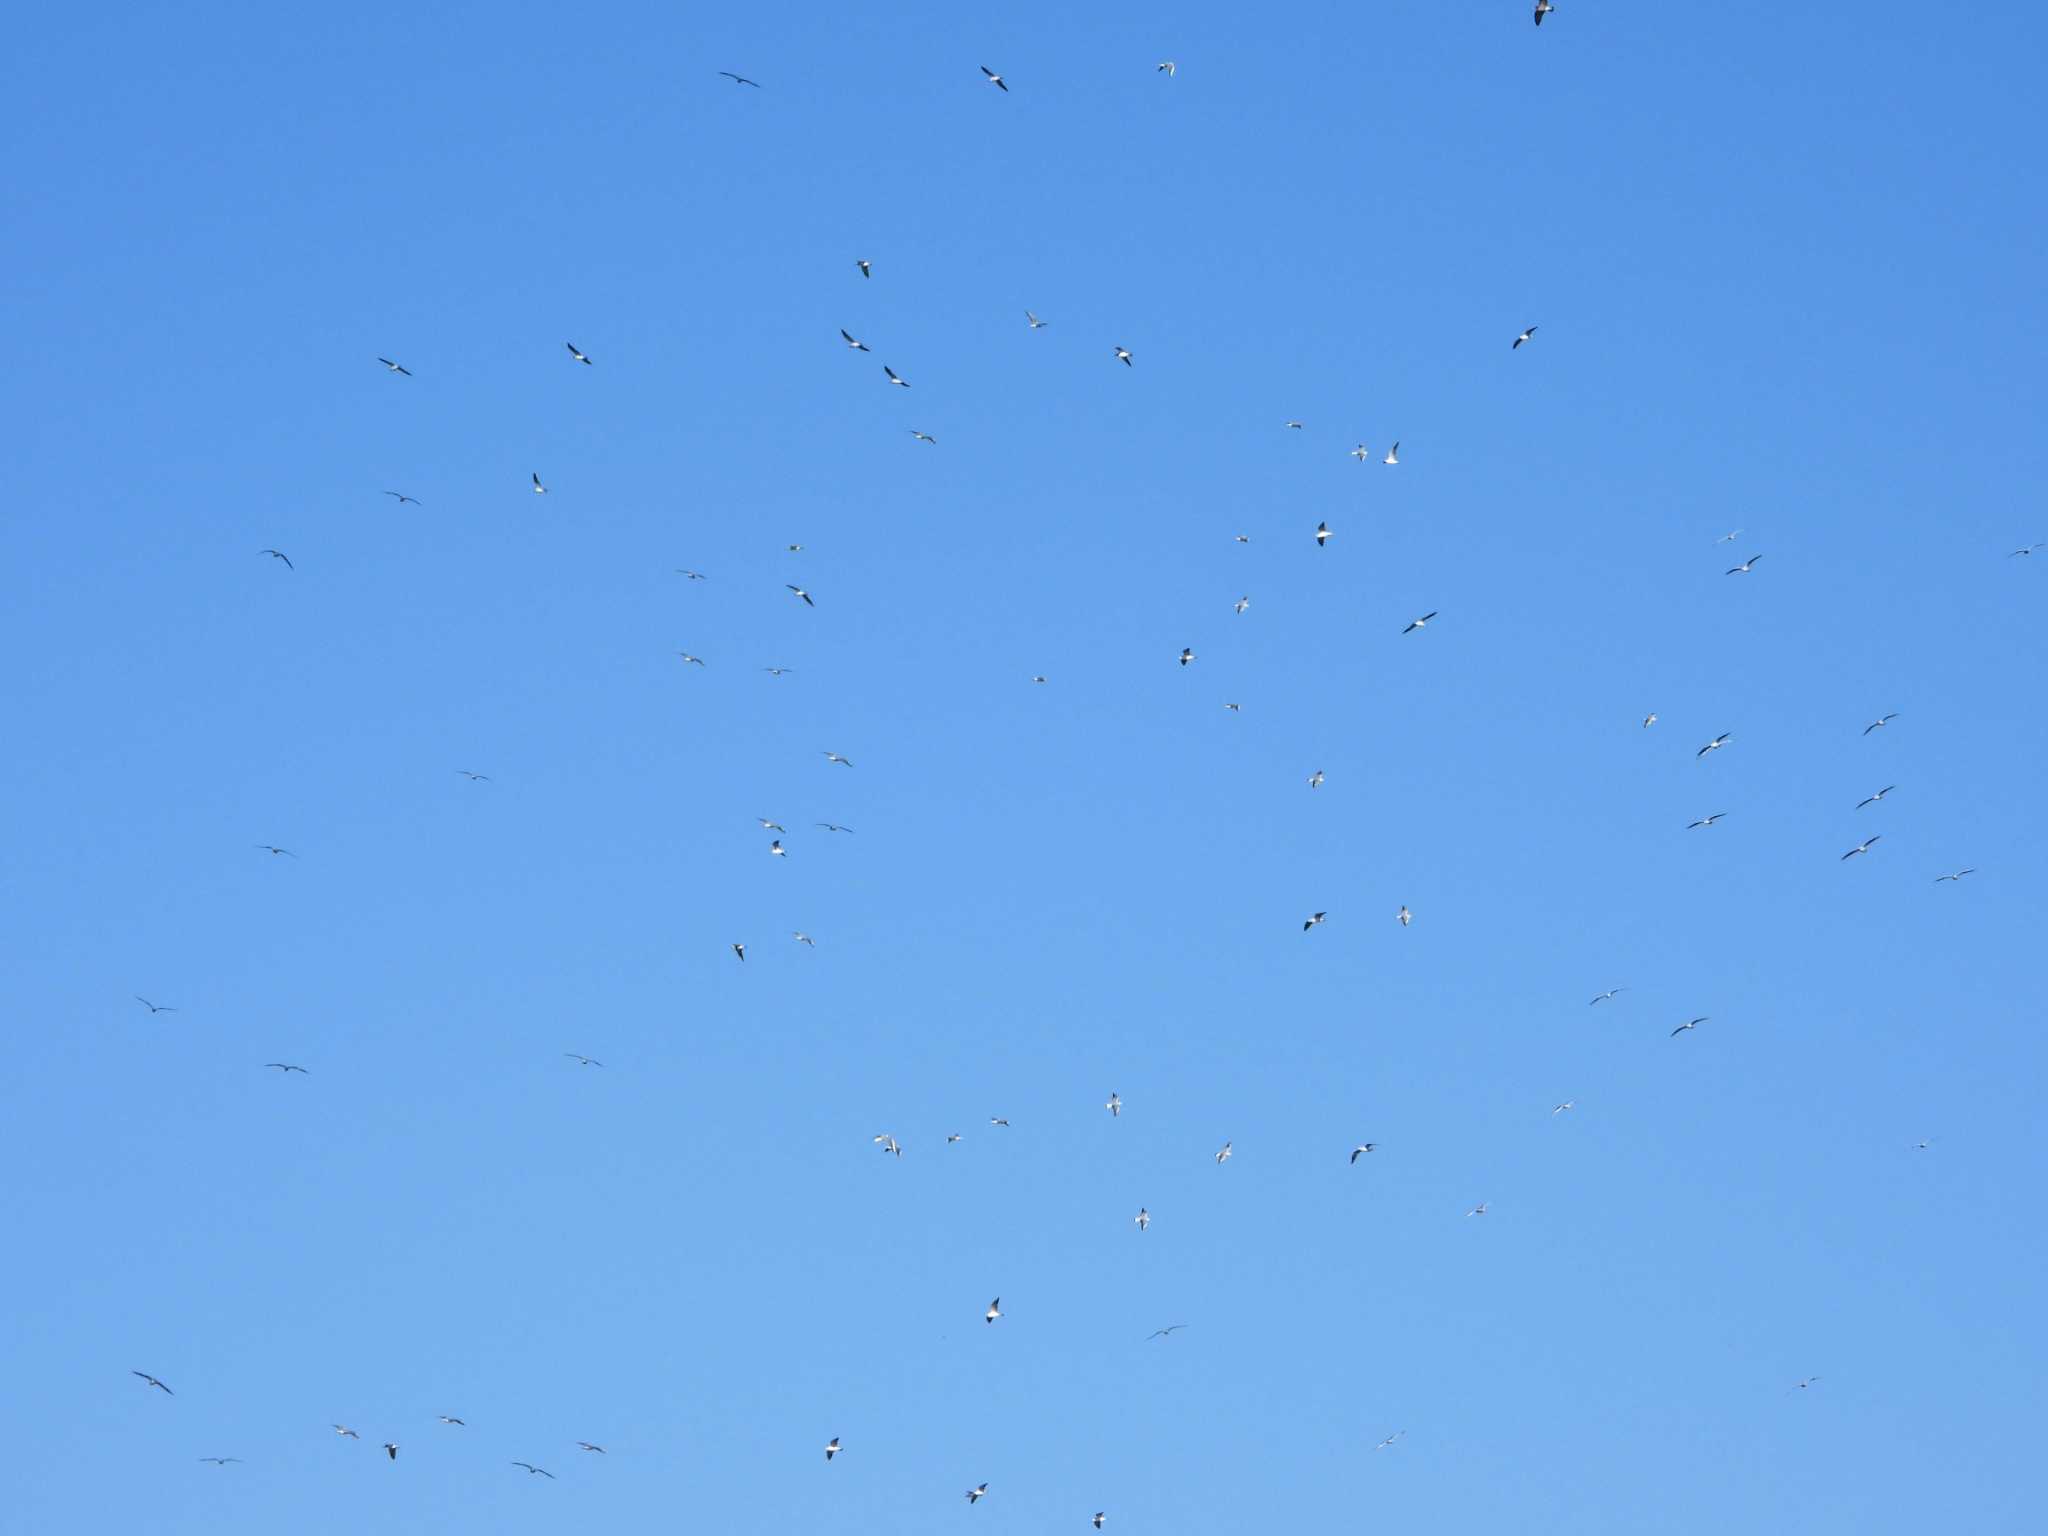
(391, 1449)
(1322, 534)
(1715, 745)
(1522, 338)
(1688, 1024)
(1744, 568)
(831, 1447)
(1223, 1156)
(152, 1381)
(1862, 847)
(278, 554)
(1361, 1149)
(1115, 1106)
(1143, 1218)
(573, 352)
(1123, 356)
(1313, 919)
(1406, 917)
(1187, 655)
(1420, 623)
(994, 79)
(976, 1494)
(1873, 799)
(995, 1310)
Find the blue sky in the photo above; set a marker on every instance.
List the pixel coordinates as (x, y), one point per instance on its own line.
(1785, 269)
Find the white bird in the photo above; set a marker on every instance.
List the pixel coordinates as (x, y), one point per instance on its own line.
(394, 367)
(1604, 996)
(977, 1494)
(1477, 1210)
(1313, 920)
(692, 575)
(1880, 721)
(1241, 538)
(583, 1061)
(895, 378)
(1143, 1218)
(888, 1144)
(447, 1419)
(997, 1120)
(800, 592)
(1543, 9)
(1923, 1144)
(346, 1433)
(834, 757)
(576, 354)
(775, 847)
(1362, 1148)
(1315, 780)
(851, 340)
(995, 1310)
(1873, 799)
(952, 1138)
(741, 951)
(771, 826)
(1715, 745)
(1361, 453)
(1421, 622)
(1234, 707)
(831, 1447)
(1292, 426)
(1223, 1156)
(1522, 338)
(1649, 720)
(1956, 876)
(866, 268)
(1241, 604)
(1393, 455)
(804, 938)
(1729, 537)
(1037, 677)
(1166, 65)
(994, 78)
(1567, 1104)
(1100, 1516)
(1186, 656)
(924, 437)
(1688, 1024)
(833, 826)
(391, 1449)
(1123, 356)
(538, 488)
(1322, 534)
(1397, 1434)
(1115, 1106)
(1742, 569)
(1862, 847)
(1704, 821)
(1033, 321)
(1406, 917)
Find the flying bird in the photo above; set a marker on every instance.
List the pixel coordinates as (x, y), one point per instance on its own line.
(474, 777)
(1649, 720)
(1604, 996)
(1115, 1106)
(404, 499)
(997, 1120)
(530, 1467)
(2026, 551)
(583, 1061)
(741, 951)
(1543, 9)
(1100, 1516)
(1873, 799)
(924, 437)
(1033, 321)
(831, 1447)
(1742, 569)
(1362, 1148)
(1223, 1156)
(858, 346)
(1704, 821)
(1322, 534)
(834, 757)
(1362, 453)
(1559, 1109)
(287, 1068)
(1862, 847)
(895, 378)
(1522, 338)
(1420, 623)
(995, 1310)
(538, 488)
(695, 661)
(833, 826)
(576, 354)
(220, 1461)
(1292, 426)
(1313, 919)
(994, 78)
(346, 1433)
(1315, 780)
(450, 1419)
(1241, 604)
(888, 1144)
(167, 1392)
(771, 826)
(278, 554)
(804, 938)
(1406, 917)
(736, 80)
(976, 1494)
(1393, 455)
(1801, 1386)
(866, 268)
(800, 592)
(1143, 1218)
(1164, 1333)
(1123, 356)
(153, 1007)
(1477, 1210)
(1956, 876)
(391, 1449)
(692, 575)
(775, 847)
(587, 1446)
(273, 849)
(1166, 67)
(1715, 745)
(1880, 721)
(394, 367)
(1186, 656)
(778, 671)
(1688, 1024)
(1397, 1434)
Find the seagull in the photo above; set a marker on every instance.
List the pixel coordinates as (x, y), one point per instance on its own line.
(741, 951)
(530, 1467)
(1313, 920)
(952, 1138)
(804, 938)
(394, 367)
(778, 671)
(1223, 1156)
(1186, 656)
(2026, 551)
(153, 1007)
(404, 499)
(1033, 321)
(1406, 917)
(1123, 356)
(1293, 426)
(831, 1447)
(833, 826)
(858, 346)
(995, 1310)
(1322, 534)
(1393, 455)
(736, 80)
(1397, 1434)
(1037, 677)
(1649, 720)
(1956, 876)
(1715, 745)
(1604, 996)
(695, 661)
(1420, 623)
(1522, 338)
(1100, 1516)
(576, 354)
(1873, 799)
(220, 1461)
(586, 1445)
(583, 1061)
(273, 849)
(888, 1144)
(278, 554)
(834, 757)
(1115, 1106)
(994, 78)
(924, 437)
(1143, 1218)
(771, 826)
(866, 269)
(1241, 604)
(894, 378)
(450, 1419)
(1801, 1386)
(1923, 1144)
(346, 1433)
(1742, 569)
(977, 1494)
(1688, 1024)
(473, 777)
(1561, 1108)
(167, 1392)
(1362, 1148)
(287, 1068)
(1881, 720)
(1543, 9)
(693, 575)
(1729, 537)
(538, 488)
(775, 847)
(1704, 821)
(997, 1120)
(1862, 847)
(1241, 538)
(1315, 780)
(1477, 1210)
(391, 1449)
(1165, 66)
(1361, 453)
(800, 592)
(1234, 707)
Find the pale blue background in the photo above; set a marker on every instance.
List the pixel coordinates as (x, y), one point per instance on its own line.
(1786, 262)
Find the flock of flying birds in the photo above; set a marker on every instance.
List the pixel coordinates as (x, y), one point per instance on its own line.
(887, 1142)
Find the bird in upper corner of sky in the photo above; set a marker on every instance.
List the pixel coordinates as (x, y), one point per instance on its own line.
(1688, 1024)
(273, 849)
(1322, 535)
(531, 1469)
(583, 1061)
(1704, 821)
(1801, 1386)
(775, 847)
(1559, 1109)
(924, 437)
(1956, 876)
(1742, 569)
(1314, 918)
(997, 1120)
(446, 1418)
(474, 777)
(1715, 745)
(1729, 537)
(167, 1392)
(538, 488)
(587, 1446)
(1143, 1218)
(1604, 996)
(888, 1144)
(404, 499)
(1033, 321)
(1880, 721)
(804, 938)
(1166, 67)
(1543, 9)
(1362, 453)
(573, 352)
(952, 1138)
(1187, 655)
(1397, 1434)
(831, 826)
(1362, 1148)
(995, 1310)
(1115, 1106)
(391, 1449)
(858, 346)
(1923, 1144)
(1393, 455)
(394, 367)
(1037, 677)
(1873, 799)
(770, 826)
(1315, 780)
(2027, 550)
(346, 1433)
(1522, 338)
(1649, 720)
(831, 1447)
(152, 1007)
(976, 1494)
(1123, 355)
(1292, 426)
(866, 267)
(220, 1461)
(1234, 708)
(692, 660)
(1862, 847)
(800, 592)
(1421, 622)
(778, 671)
(994, 78)
(741, 951)
(287, 1068)
(834, 757)
(1099, 1517)
(795, 549)
(1241, 604)
(278, 554)
(895, 378)
(1223, 1156)
(1477, 1210)
(736, 80)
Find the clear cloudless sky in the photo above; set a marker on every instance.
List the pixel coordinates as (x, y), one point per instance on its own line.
(1786, 264)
